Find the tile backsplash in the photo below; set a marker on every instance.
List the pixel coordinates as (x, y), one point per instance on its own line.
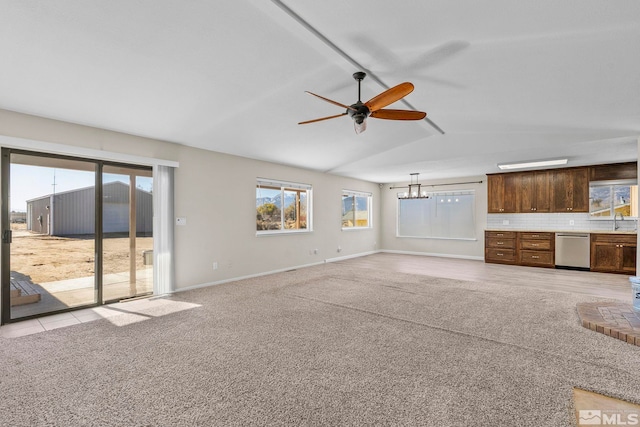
(555, 222)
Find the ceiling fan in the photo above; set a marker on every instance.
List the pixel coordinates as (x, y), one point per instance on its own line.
(373, 107)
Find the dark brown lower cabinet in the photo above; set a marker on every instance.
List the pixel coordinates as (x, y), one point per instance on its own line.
(536, 249)
(614, 253)
(521, 248)
(500, 247)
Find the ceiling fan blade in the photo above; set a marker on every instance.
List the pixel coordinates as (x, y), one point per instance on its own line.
(330, 101)
(389, 96)
(398, 114)
(323, 118)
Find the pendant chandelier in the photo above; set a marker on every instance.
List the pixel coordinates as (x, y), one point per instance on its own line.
(415, 192)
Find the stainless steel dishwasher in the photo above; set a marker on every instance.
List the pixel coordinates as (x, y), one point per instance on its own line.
(573, 251)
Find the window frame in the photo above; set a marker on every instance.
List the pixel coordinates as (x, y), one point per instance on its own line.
(612, 203)
(354, 194)
(284, 186)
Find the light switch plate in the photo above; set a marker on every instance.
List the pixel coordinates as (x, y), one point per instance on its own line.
(181, 221)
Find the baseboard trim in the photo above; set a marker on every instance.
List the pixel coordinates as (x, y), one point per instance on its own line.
(358, 255)
(471, 257)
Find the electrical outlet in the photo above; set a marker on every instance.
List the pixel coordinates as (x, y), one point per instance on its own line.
(505, 222)
(339, 249)
(215, 265)
(572, 222)
(181, 221)
(315, 252)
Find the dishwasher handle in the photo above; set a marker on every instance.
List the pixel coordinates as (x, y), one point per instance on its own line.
(576, 236)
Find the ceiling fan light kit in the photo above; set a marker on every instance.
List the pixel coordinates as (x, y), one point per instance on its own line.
(360, 111)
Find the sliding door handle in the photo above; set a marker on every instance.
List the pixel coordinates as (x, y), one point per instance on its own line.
(6, 236)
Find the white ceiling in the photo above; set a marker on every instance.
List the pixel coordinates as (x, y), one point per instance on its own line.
(506, 80)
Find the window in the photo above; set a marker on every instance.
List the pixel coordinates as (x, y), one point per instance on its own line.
(608, 198)
(356, 210)
(443, 215)
(282, 207)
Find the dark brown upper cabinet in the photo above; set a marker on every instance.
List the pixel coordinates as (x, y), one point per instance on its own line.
(534, 192)
(570, 190)
(502, 189)
(614, 171)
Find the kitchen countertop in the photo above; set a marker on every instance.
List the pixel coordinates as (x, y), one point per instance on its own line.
(567, 231)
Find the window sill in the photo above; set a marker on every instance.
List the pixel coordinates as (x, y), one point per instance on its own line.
(281, 232)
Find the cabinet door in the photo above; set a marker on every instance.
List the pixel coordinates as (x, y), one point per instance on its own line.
(560, 191)
(580, 190)
(604, 256)
(527, 190)
(628, 258)
(570, 190)
(511, 193)
(542, 191)
(613, 171)
(495, 193)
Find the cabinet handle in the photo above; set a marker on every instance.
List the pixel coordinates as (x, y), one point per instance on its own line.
(535, 235)
(535, 256)
(534, 244)
(499, 254)
(499, 234)
(499, 243)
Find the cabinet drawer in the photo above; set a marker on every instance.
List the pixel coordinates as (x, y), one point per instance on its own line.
(499, 242)
(531, 236)
(503, 255)
(539, 245)
(536, 257)
(501, 234)
(614, 238)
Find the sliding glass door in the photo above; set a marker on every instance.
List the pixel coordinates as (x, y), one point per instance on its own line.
(76, 233)
(127, 238)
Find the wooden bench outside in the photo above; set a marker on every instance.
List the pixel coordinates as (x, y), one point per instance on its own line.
(24, 292)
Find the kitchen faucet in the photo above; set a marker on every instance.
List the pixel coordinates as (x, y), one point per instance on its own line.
(615, 220)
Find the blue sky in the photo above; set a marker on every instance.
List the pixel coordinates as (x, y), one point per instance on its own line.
(29, 182)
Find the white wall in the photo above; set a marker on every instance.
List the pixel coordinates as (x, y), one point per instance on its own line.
(216, 193)
(473, 249)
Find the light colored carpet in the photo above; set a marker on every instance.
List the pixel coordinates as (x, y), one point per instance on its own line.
(327, 345)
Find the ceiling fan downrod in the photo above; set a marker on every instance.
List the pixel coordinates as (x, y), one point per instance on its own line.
(358, 111)
(359, 76)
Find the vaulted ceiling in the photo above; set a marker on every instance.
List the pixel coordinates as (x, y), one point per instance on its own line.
(504, 80)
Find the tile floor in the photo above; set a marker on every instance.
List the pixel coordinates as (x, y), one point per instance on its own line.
(47, 323)
(617, 320)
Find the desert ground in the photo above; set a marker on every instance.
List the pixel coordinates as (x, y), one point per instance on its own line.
(51, 258)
